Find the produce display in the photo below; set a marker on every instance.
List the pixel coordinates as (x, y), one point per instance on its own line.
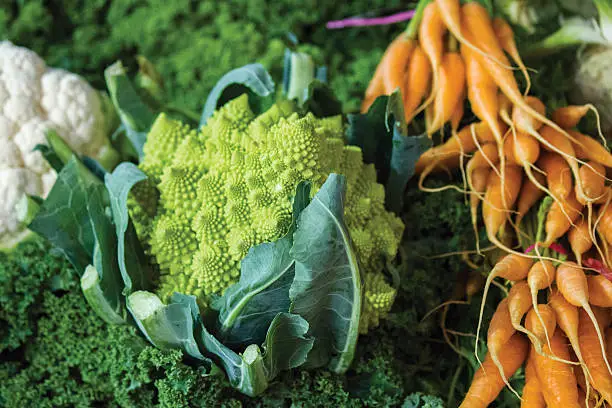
(366, 205)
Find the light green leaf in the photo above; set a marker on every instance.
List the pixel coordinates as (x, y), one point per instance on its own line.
(134, 267)
(253, 77)
(135, 115)
(247, 308)
(326, 290)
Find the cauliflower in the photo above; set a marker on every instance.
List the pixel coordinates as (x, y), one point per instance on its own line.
(34, 99)
(214, 193)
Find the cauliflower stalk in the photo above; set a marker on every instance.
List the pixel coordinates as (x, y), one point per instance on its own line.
(214, 193)
(33, 100)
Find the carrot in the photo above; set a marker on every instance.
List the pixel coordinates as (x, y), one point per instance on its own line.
(579, 238)
(519, 303)
(530, 194)
(572, 284)
(431, 37)
(521, 118)
(457, 116)
(541, 276)
(487, 382)
(593, 178)
(561, 216)
(609, 342)
(500, 331)
(558, 381)
(486, 156)
(416, 81)
(604, 225)
(451, 84)
(476, 19)
(505, 36)
(582, 400)
(478, 180)
(494, 209)
(567, 320)
(600, 291)
(395, 63)
(558, 175)
(541, 323)
(511, 267)
(461, 142)
(589, 334)
(591, 148)
(569, 116)
(532, 391)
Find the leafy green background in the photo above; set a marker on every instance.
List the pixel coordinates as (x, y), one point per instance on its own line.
(193, 43)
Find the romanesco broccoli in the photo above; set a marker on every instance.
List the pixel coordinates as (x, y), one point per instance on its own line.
(229, 186)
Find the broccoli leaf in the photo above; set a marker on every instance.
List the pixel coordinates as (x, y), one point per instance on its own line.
(136, 117)
(135, 269)
(247, 308)
(102, 283)
(63, 217)
(253, 77)
(165, 326)
(286, 346)
(380, 135)
(326, 290)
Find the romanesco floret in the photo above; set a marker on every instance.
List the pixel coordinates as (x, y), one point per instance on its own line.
(230, 186)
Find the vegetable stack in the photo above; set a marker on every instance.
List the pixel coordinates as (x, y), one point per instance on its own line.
(256, 242)
(542, 185)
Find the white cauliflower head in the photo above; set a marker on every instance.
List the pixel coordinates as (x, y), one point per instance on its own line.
(33, 100)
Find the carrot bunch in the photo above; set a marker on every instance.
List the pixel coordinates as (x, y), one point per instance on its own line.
(439, 61)
(564, 342)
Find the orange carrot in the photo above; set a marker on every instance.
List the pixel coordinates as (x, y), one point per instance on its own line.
(558, 381)
(604, 225)
(567, 320)
(558, 175)
(589, 334)
(500, 331)
(457, 116)
(494, 209)
(487, 382)
(541, 322)
(579, 238)
(523, 120)
(600, 291)
(592, 176)
(511, 267)
(416, 81)
(431, 37)
(561, 216)
(486, 156)
(582, 400)
(451, 84)
(572, 284)
(519, 303)
(478, 180)
(541, 276)
(505, 36)
(532, 391)
(569, 116)
(530, 194)
(591, 148)
(476, 20)
(396, 61)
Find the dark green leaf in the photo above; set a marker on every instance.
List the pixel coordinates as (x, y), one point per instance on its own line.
(321, 100)
(326, 290)
(253, 77)
(63, 218)
(135, 270)
(247, 308)
(380, 136)
(105, 255)
(404, 155)
(134, 113)
(56, 152)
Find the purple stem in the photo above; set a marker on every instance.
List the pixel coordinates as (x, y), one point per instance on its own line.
(365, 22)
